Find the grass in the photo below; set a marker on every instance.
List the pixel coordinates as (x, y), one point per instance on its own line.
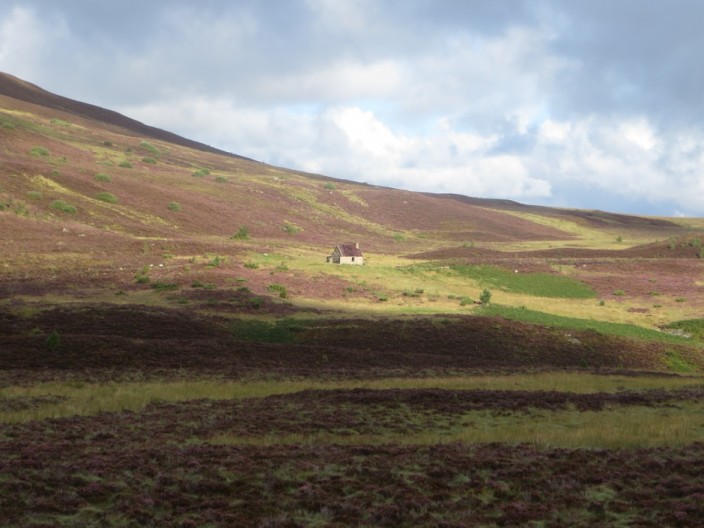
(692, 327)
(102, 177)
(149, 160)
(174, 206)
(107, 197)
(615, 428)
(93, 398)
(60, 205)
(535, 284)
(604, 327)
(39, 151)
(150, 148)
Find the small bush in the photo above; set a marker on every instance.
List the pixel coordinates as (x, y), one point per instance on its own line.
(60, 205)
(221, 179)
(251, 265)
(290, 228)
(53, 341)
(102, 177)
(485, 297)
(200, 173)
(464, 301)
(151, 148)
(142, 279)
(34, 195)
(330, 186)
(242, 234)
(164, 286)
(125, 164)
(278, 288)
(106, 197)
(39, 151)
(149, 160)
(174, 206)
(107, 143)
(216, 261)
(383, 298)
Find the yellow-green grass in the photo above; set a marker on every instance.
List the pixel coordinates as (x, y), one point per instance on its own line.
(584, 236)
(92, 398)
(615, 427)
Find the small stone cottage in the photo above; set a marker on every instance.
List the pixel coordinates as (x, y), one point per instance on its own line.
(346, 254)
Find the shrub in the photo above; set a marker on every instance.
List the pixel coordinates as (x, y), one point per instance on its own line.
(216, 261)
(200, 173)
(330, 186)
(53, 341)
(251, 265)
(125, 164)
(290, 228)
(34, 195)
(221, 179)
(60, 205)
(142, 279)
(151, 148)
(39, 151)
(464, 301)
(102, 177)
(164, 286)
(242, 234)
(149, 160)
(174, 206)
(106, 197)
(485, 297)
(107, 143)
(278, 288)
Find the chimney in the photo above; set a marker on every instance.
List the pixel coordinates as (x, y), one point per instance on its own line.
(356, 245)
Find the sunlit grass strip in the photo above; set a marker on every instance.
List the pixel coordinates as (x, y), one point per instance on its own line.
(86, 399)
(614, 428)
(604, 327)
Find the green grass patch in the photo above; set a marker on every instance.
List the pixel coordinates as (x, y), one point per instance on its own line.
(558, 321)
(102, 177)
(283, 331)
(125, 164)
(241, 234)
(107, 197)
(677, 363)
(200, 173)
(60, 205)
(164, 286)
(149, 160)
(39, 151)
(151, 148)
(174, 206)
(693, 328)
(278, 288)
(34, 195)
(536, 284)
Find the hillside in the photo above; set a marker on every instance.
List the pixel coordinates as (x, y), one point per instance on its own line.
(95, 204)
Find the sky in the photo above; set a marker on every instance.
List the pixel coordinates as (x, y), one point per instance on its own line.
(590, 104)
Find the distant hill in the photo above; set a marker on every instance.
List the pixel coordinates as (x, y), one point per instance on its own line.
(16, 88)
(126, 181)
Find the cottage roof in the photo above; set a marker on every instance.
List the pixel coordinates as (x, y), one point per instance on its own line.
(350, 250)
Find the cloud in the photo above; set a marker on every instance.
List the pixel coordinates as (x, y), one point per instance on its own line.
(22, 42)
(583, 104)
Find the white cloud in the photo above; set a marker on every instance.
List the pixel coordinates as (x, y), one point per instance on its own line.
(22, 41)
